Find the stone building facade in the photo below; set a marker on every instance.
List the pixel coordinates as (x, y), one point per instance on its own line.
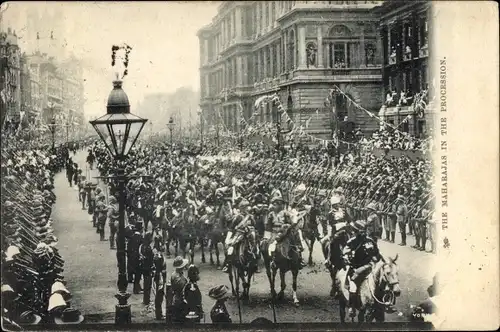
(298, 49)
(405, 33)
(10, 77)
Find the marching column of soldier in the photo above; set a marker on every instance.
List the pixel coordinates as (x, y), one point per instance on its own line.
(264, 204)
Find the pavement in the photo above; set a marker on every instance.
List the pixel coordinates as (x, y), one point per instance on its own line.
(91, 273)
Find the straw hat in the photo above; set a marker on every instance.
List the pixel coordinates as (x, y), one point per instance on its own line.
(11, 252)
(29, 318)
(179, 262)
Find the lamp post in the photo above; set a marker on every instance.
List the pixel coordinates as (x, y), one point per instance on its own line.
(53, 131)
(119, 129)
(171, 125)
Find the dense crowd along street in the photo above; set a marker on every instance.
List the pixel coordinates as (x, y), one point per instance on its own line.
(187, 201)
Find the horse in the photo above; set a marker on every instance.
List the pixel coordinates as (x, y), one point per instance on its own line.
(377, 291)
(219, 230)
(336, 262)
(287, 258)
(311, 234)
(184, 233)
(244, 261)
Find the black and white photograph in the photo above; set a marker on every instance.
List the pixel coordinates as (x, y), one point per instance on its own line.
(242, 163)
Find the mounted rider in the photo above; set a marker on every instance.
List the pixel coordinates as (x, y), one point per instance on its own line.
(361, 253)
(260, 202)
(279, 222)
(336, 224)
(238, 227)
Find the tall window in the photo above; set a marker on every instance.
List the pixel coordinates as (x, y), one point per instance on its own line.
(268, 53)
(291, 50)
(339, 55)
(273, 13)
(424, 32)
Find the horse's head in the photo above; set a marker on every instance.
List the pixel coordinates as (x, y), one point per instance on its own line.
(389, 275)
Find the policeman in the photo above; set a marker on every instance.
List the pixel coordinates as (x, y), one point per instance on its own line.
(147, 265)
(192, 295)
(133, 258)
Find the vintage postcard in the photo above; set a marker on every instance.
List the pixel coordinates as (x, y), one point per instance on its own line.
(308, 165)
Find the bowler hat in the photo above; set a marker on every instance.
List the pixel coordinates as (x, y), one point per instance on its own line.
(69, 316)
(219, 292)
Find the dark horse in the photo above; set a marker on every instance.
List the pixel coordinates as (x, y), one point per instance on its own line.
(310, 233)
(335, 263)
(244, 262)
(218, 233)
(287, 258)
(185, 233)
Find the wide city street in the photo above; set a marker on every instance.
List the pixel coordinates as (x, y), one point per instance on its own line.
(91, 271)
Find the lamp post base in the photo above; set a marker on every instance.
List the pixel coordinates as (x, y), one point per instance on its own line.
(123, 314)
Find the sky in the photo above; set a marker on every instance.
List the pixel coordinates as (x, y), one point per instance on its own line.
(165, 48)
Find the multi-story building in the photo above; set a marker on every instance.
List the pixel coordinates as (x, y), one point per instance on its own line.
(405, 31)
(298, 49)
(73, 99)
(57, 88)
(10, 77)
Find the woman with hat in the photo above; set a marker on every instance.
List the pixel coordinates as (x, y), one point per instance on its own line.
(219, 313)
(178, 281)
(192, 295)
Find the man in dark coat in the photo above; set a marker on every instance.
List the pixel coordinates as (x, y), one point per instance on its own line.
(219, 313)
(147, 265)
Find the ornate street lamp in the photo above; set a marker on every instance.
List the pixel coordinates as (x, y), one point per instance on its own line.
(171, 125)
(119, 129)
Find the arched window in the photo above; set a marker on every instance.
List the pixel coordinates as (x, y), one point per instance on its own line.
(291, 50)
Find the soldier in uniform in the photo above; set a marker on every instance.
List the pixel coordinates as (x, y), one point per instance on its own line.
(401, 217)
(278, 223)
(373, 226)
(360, 254)
(219, 313)
(113, 215)
(177, 282)
(82, 184)
(147, 265)
(235, 233)
(260, 201)
(101, 214)
(391, 216)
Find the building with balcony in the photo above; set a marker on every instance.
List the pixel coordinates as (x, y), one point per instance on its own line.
(405, 32)
(10, 77)
(297, 49)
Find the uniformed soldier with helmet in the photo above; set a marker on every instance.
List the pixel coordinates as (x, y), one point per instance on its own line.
(113, 216)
